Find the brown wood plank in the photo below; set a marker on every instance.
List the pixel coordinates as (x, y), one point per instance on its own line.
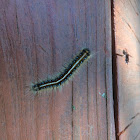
(127, 36)
(36, 39)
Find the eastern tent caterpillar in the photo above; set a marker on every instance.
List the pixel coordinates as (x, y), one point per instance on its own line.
(77, 61)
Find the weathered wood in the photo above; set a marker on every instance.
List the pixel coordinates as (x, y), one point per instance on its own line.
(36, 39)
(127, 36)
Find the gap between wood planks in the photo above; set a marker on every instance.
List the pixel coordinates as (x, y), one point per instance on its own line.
(114, 72)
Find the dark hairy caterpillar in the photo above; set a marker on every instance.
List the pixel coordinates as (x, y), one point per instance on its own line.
(76, 62)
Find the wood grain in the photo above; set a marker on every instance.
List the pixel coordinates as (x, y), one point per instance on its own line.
(127, 36)
(36, 39)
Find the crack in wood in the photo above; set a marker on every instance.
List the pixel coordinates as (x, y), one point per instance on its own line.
(133, 7)
(120, 133)
(137, 135)
(135, 116)
(129, 26)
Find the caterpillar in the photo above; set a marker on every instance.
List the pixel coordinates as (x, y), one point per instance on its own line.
(68, 72)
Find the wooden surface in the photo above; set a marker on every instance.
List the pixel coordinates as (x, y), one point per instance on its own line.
(36, 39)
(127, 35)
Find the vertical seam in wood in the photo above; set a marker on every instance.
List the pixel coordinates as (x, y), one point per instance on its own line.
(72, 111)
(114, 71)
(87, 102)
(96, 81)
(105, 70)
(5, 119)
(86, 34)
